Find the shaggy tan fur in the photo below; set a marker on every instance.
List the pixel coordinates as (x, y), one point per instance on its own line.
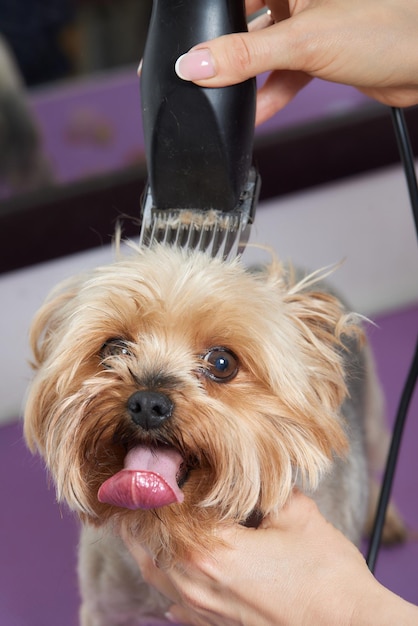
(246, 442)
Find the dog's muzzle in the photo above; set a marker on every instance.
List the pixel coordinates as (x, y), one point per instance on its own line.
(152, 473)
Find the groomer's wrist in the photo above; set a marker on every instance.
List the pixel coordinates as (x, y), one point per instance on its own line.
(379, 606)
(357, 599)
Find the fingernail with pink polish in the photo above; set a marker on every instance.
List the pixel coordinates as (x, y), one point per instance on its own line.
(196, 65)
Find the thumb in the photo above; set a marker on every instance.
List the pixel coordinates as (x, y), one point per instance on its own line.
(234, 58)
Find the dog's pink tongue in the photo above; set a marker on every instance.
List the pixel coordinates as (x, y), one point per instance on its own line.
(148, 480)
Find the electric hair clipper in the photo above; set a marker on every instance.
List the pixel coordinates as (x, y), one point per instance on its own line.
(202, 189)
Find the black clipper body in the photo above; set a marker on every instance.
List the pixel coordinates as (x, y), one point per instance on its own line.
(202, 188)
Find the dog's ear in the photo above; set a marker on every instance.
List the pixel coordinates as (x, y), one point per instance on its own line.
(48, 320)
(327, 329)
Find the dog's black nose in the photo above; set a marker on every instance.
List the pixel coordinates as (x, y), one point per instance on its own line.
(149, 409)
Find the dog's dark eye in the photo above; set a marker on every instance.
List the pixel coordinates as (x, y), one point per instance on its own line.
(114, 347)
(221, 365)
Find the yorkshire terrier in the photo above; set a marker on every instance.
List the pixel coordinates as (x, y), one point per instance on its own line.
(175, 392)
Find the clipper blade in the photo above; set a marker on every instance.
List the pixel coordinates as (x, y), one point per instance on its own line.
(218, 233)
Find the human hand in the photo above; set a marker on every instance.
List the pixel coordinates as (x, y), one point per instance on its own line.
(296, 569)
(369, 44)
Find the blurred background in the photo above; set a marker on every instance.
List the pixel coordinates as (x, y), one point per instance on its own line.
(44, 45)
